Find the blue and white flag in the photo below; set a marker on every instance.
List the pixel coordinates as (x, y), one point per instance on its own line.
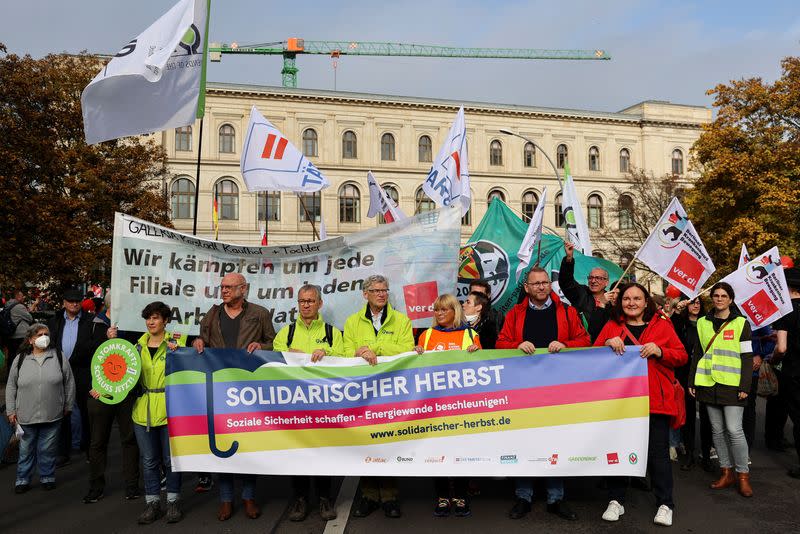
(447, 183)
(381, 202)
(271, 163)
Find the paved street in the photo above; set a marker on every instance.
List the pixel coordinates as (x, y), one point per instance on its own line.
(773, 509)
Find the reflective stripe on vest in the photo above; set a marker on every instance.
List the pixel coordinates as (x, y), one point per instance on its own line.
(722, 362)
(466, 341)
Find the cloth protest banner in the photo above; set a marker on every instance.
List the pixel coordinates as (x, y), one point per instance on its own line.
(380, 202)
(491, 255)
(744, 256)
(270, 162)
(674, 251)
(577, 229)
(533, 237)
(447, 183)
(157, 80)
(488, 413)
(418, 255)
(761, 290)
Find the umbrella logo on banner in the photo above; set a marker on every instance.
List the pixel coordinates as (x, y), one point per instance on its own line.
(209, 362)
(757, 271)
(669, 233)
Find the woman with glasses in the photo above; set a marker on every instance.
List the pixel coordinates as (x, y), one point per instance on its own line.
(722, 369)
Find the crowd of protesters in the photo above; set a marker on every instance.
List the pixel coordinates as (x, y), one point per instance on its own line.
(701, 357)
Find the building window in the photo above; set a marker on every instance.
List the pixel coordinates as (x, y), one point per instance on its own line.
(349, 204)
(227, 194)
(425, 149)
(561, 156)
(394, 195)
(557, 209)
(310, 142)
(677, 161)
(595, 211)
(493, 194)
(466, 220)
(182, 197)
(349, 145)
(227, 139)
(313, 206)
(625, 208)
(269, 206)
(624, 160)
(594, 159)
(422, 202)
(529, 202)
(387, 147)
(529, 155)
(183, 139)
(495, 153)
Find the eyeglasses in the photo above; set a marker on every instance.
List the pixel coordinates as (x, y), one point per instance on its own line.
(537, 284)
(377, 291)
(306, 302)
(598, 278)
(224, 287)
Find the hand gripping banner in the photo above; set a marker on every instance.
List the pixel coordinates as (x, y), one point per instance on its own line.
(490, 413)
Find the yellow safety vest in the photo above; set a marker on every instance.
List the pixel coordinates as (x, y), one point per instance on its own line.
(722, 361)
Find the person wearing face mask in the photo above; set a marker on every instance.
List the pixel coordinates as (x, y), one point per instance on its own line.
(39, 394)
(477, 312)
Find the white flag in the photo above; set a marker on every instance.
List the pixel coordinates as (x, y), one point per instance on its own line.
(577, 230)
(381, 202)
(154, 82)
(674, 251)
(744, 256)
(447, 183)
(760, 289)
(532, 237)
(271, 163)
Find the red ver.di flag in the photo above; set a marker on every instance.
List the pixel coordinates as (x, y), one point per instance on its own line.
(760, 288)
(271, 163)
(674, 251)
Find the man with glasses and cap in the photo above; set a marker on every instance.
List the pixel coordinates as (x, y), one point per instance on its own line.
(591, 300)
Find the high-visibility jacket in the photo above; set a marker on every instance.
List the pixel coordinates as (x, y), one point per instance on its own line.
(394, 336)
(722, 361)
(151, 408)
(309, 338)
(434, 339)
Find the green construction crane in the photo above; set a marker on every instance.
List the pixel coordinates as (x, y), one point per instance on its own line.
(290, 48)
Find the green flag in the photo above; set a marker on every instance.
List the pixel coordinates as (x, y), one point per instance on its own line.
(491, 255)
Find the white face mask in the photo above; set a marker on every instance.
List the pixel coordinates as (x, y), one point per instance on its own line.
(472, 318)
(42, 342)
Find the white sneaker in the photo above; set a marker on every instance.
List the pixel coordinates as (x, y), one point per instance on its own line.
(713, 454)
(663, 516)
(673, 454)
(613, 511)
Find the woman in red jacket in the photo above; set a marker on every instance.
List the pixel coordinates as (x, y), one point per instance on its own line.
(636, 321)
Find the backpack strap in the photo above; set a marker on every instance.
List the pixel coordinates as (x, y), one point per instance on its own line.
(19, 361)
(290, 338)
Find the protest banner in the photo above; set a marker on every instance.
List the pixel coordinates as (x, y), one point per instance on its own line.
(493, 412)
(418, 255)
(761, 290)
(491, 255)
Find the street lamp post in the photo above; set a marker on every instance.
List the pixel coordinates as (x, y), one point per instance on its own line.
(535, 146)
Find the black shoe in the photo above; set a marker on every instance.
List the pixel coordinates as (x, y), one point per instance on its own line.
(391, 510)
(365, 507)
(442, 508)
(93, 496)
(152, 511)
(204, 484)
(326, 510)
(461, 508)
(562, 510)
(48, 486)
(174, 513)
(708, 465)
(520, 509)
(21, 488)
(298, 511)
(794, 472)
(131, 494)
(688, 463)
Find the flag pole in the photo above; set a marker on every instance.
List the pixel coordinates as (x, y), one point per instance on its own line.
(197, 178)
(308, 215)
(628, 268)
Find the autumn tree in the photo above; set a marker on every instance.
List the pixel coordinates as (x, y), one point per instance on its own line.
(59, 195)
(749, 164)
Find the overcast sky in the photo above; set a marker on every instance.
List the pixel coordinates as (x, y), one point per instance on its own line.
(673, 50)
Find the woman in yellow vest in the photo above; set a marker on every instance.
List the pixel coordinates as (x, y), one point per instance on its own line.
(150, 413)
(450, 331)
(722, 370)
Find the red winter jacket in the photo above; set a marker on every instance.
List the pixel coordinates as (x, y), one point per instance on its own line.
(570, 328)
(660, 371)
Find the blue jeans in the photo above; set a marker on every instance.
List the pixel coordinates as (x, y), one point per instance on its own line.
(39, 444)
(154, 447)
(226, 486)
(555, 489)
(726, 429)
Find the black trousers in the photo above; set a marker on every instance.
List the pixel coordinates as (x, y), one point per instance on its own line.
(790, 387)
(101, 419)
(442, 486)
(301, 484)
(749, 417)
(658, 465)
(83, 383)
(777, 413)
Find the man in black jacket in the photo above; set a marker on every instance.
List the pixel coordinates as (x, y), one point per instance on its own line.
(591, 301)
(76, 334)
